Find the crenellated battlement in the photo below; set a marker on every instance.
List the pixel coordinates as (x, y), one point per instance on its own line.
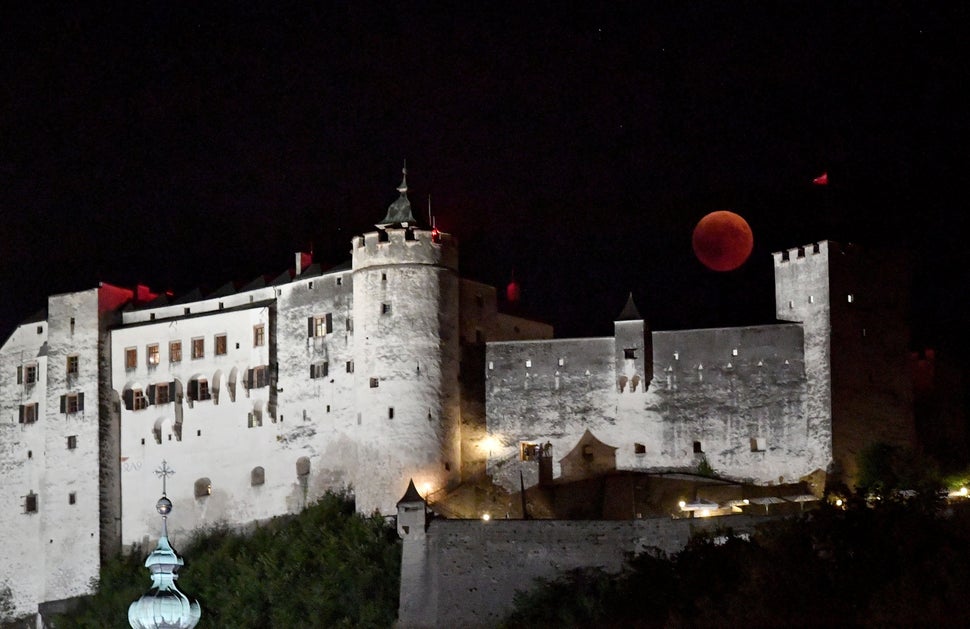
(405, 245)
(798, 253)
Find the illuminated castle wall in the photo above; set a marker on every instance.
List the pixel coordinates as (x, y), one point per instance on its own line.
(766, 404)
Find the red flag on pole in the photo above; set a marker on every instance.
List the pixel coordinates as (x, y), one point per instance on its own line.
(821, 180)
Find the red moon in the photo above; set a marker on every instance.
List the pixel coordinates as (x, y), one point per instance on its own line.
(722, 241)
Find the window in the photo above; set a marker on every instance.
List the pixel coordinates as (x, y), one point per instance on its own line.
(30, 374)
(72, 365)
(72, 498)
(198, 348)
(203, 488)
(697, 447)
(72, 442)
(256, 377)
(850, 298)
(257, 477)
(350, 366)
(734, 352)
(72, 325)
(40, 329)
(390, 412)
(20, 374)
(374, 382)
(528, 363)
(161, 392)
(385, 308)
(639, 448)
(72, 403)
(175, 352)
(30, 503)
(350, 324)
(340, 281)
(811, 299)
(259, 335)
(153, 355)
(28, 413)
(199, 389)
(562, 361)
(757, 444)
(221, 344)
(255, 418)
(319, 370)
(320, 325)
(383, 277)
(131, 358)
(630, 354)
(528, 451)
(139, 402)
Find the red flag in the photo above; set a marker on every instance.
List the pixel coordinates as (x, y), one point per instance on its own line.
(821, 180)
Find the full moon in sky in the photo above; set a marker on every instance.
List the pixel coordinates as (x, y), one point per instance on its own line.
(722, 241)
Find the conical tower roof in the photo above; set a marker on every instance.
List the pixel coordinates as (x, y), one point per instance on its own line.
(629, 312)
(399, 212)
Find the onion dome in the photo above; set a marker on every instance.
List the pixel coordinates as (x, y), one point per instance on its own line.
(399, 212)
(164, 606)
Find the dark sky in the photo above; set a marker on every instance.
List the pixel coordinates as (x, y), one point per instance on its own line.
(188, 146)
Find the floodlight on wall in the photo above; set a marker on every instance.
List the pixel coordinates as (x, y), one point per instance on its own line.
(486, 517)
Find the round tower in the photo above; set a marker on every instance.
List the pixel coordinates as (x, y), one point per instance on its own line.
(405, 359)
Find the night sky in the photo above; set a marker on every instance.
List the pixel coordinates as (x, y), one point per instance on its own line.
(188, 146)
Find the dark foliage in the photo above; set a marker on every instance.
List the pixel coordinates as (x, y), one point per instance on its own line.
(326, 567)
(894, 563)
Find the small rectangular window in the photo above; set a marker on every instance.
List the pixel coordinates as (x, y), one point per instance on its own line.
(72, 365)
(639, 448)
(222, 344)
(40, 329)
(385, 308)
(259, 335)
(491, 365)
(319, 370)
(162, 393)
(198, 348)
(528, 363)
(72, 325)
(630, 354)
(374, 382)
(320, 325)
(350, 366)
(30, 503)
(697, 447)
(850, 298)
(30, 374)
(72, 403)
(72, 442)
(791, 304)
(28, 413)
(72, 498)
(390, 412)
(528, 451)
(757, 444)
(562, 361)
(175, 352)
(139, 402)
(20, 374)
(131, 358)
(383, 277)
(349, 323)
(734, 352)
(153, 355)
(811, 299)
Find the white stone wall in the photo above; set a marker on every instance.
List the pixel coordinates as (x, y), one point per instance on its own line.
(740, 393)
(216, 439)
(406, 344)
(22, 467)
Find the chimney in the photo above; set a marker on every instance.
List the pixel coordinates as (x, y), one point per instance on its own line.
(303, 261)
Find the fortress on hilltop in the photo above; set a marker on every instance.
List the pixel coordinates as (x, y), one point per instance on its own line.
(393, 368)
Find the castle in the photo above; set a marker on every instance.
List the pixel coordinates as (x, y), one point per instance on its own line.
(394, 368)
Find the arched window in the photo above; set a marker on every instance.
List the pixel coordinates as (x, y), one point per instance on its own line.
(302, 467)
(203, 488)
(257, 477)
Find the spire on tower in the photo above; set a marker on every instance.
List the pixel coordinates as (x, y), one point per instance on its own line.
(164, 605)
(629, 312)
(399, 212)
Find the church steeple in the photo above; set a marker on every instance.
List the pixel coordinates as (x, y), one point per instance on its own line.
(164, 606)
(399, 212)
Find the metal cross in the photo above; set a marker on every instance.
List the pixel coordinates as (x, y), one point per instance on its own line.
(164, 472)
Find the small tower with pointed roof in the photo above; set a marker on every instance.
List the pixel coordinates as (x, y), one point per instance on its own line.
(634, 350)
(164, 606)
